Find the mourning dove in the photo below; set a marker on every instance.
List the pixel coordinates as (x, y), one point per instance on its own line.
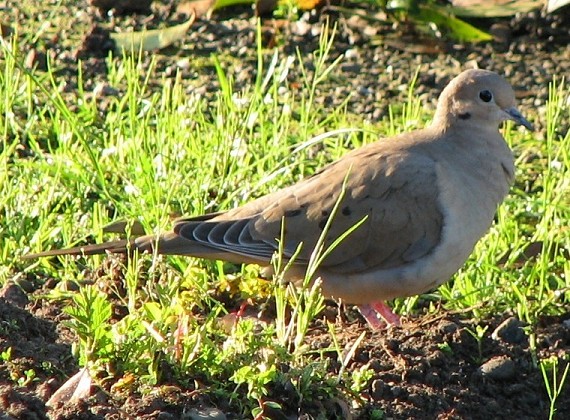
(424, 198)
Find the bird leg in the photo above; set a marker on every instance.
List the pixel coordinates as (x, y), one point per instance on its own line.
(379, 315)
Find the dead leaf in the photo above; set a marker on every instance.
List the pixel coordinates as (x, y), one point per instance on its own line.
(151, 40)
(76, 388)
(493, 8)
(553, 5)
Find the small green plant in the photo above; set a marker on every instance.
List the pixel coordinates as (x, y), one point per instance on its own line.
(6, 355)
(90, 312)
(377, 414)
(445, 347)
(553, 385)
(361, 379)
(478, 334)
(29, 376)
(428, 17)
(256, 377)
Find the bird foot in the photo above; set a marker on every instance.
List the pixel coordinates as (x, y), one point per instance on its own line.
(379, 316)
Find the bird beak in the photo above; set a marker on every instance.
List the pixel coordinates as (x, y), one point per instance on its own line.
(516, 116)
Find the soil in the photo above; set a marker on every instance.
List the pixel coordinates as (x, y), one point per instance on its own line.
(432, 367)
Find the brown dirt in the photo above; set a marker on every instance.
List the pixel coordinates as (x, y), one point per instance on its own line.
(432, 367)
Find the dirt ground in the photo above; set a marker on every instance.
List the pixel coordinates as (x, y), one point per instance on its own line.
(432, 367)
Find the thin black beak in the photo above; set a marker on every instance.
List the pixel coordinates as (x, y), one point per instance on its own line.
(517, 117)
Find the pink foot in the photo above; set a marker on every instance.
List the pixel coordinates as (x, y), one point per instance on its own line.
(379, 315)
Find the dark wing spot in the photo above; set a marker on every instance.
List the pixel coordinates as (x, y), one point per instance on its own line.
(292, 213)
(323, 223)
(325, 213)
(346, 211)
(464, 116)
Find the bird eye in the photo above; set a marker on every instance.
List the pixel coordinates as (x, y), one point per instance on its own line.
(485, 96)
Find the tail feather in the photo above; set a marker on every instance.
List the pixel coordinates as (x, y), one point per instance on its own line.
(168, 243)
(115, 247)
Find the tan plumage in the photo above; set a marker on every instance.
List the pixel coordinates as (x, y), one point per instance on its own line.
(428, 196)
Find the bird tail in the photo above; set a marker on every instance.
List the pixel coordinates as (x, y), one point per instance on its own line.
(116, 247)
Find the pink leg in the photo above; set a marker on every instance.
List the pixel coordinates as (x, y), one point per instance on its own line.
(378, 312)
(371, 316)
(386, 312)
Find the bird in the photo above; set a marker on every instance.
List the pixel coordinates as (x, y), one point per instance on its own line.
(417, 204)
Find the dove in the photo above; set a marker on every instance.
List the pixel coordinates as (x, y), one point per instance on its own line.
(417, 203)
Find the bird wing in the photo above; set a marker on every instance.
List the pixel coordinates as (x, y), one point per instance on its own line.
(393, 194)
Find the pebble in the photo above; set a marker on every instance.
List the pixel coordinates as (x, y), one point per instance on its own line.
(207, 413)
(377, 389)
(437, 358)
(510, 331)
(448, 327)
(14, 294)
(433, 379)
(26, 285)
(500, 368)
(375, 365)
(104, 89)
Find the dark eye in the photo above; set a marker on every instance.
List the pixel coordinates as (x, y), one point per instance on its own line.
(485, 96)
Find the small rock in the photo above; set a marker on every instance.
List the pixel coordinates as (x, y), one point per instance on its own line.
(26, 285)
(399, 392)
(102, 90)
(448, 327)
(352, 53)
(374, 365)
(416, 399)
(433, 379)
(96, 43)
(377, 389)
(415, 373)
(51, 283)
(370, 31)
(510, 331)
(501, 32)
(206, 413)
(263, 7)
(69, 286)
(437, 358)
(352, 68)
(300, 28)
(14, 294)
(36, 59)
(183, 64)
(500, 368)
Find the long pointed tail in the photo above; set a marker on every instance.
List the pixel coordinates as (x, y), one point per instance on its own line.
(116, 247)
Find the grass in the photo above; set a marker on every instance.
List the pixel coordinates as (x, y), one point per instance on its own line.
(67, 169)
